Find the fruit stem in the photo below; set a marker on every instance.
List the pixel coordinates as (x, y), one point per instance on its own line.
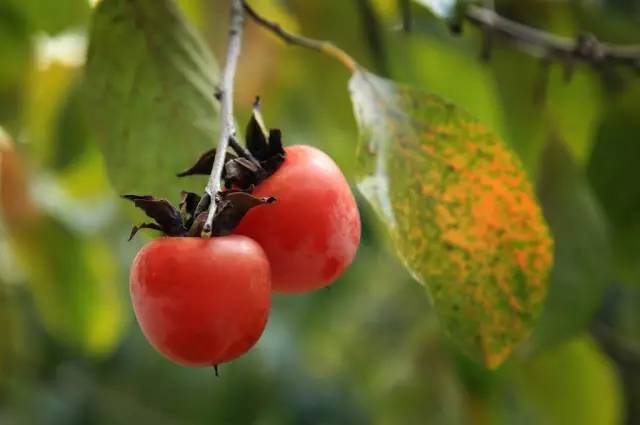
(227, 123)
(326, 47)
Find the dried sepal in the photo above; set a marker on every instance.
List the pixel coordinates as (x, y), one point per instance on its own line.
(275, 142)
(241, 173)
(276, 152)
(232, 207)
(204, 164)
(263, 144)
(197, 225)
(189, 219)
(257, 135)
(166, 216)
(134, 198)
(135, 229)
(188, 202)
(203, 205)
(263, 155)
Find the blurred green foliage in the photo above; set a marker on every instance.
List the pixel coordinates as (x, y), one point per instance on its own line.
(368, 350)
(582, 252)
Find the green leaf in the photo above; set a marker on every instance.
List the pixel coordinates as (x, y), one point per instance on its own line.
(15, 48)
(574, 384)
(48, 90)
(460, 210)
(14, 341)
(614, 174)
(517, 83)
(576, 108)
(533, 103)
(617, 326)
(16, 51)
(74, 283)
(72, 136)
(581, 270)
(150, 85)
(53, 16)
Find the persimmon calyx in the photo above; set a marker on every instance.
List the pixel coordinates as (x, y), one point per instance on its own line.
(189, 217)
(248, 167)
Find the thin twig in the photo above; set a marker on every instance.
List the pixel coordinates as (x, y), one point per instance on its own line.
(325, 47)
(545, 45)
(227, 123)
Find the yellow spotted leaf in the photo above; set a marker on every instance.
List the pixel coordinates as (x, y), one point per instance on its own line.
(460, 210)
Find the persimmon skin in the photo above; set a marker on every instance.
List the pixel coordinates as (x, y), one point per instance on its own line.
(311, 234)
(201, 301)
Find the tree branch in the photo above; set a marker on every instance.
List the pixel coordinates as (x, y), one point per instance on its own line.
(227, 123)
(325, 47)
(545, 45)
(538, 43)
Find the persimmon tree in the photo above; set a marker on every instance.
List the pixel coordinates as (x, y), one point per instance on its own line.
(454, 197)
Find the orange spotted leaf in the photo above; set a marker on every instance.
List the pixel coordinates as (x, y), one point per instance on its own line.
(460, 210)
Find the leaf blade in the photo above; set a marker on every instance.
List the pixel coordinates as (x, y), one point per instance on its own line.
(460, 210)
(159, 113)
(582, 258)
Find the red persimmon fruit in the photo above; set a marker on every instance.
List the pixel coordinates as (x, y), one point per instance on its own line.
(312, 232)
(201, 301)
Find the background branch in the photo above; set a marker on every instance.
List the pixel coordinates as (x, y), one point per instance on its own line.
(538, 43)
(227, 123)
(585, 47)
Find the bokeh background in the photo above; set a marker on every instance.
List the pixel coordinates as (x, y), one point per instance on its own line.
(368, 350)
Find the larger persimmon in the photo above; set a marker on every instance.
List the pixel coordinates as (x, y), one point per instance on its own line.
(312, 233)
